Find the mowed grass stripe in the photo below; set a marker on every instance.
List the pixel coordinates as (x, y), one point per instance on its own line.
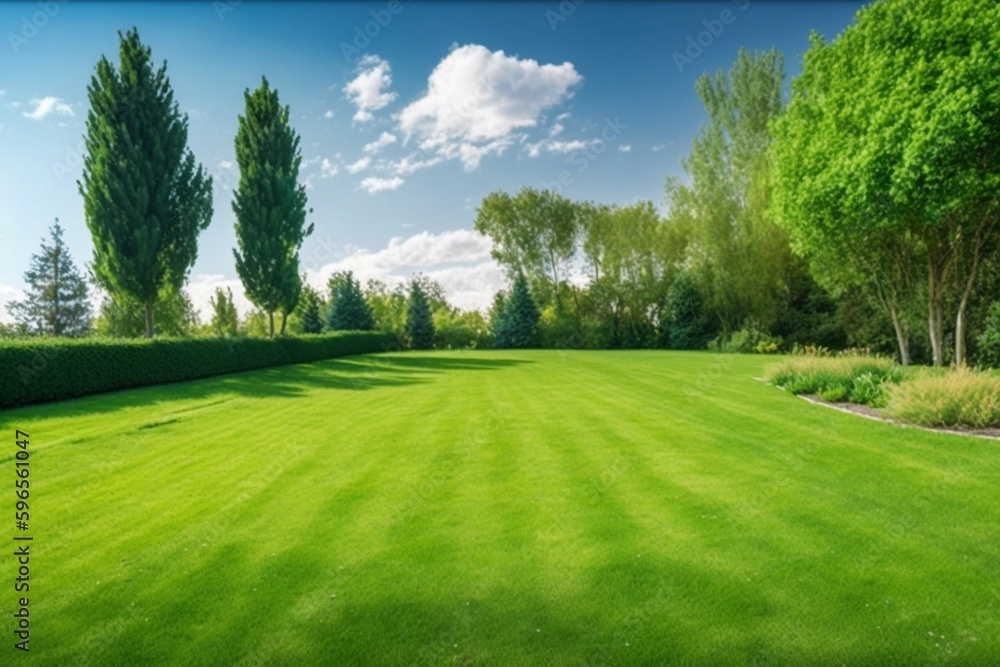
(507, 508)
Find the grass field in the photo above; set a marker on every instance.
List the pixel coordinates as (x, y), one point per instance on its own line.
(501, 508)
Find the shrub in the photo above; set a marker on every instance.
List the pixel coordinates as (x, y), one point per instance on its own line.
(748, 340)
(989, 340)
(858, 379)
(962, 397)
(39, 370)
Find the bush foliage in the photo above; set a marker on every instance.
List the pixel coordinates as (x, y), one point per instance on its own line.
(853, 378)
(961, 397)
(43, 369)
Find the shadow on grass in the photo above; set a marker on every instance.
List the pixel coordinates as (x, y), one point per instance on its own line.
(358, 373)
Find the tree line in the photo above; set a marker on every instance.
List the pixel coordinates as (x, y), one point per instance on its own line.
(863, 211)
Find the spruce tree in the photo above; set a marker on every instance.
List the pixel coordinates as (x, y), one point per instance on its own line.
(270, 205)
(145, 199)
(518, 322)
(312, 321)
(419, 322)
(348, 309)
(57, 303)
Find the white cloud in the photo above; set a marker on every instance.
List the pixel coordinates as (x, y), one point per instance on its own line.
(328, 169)
(458, 259)
(226, 164)
(310, 161)
(46, 106)
(477, 99)
(556, 129)
(8, 294)
(328, 114)
(659, 147)
(625, 148)
(563, 116)
(359, 165)
(309, 183)
(555, 146)
(373, 184)
(384, 140)
(365, 91)
(201, 289)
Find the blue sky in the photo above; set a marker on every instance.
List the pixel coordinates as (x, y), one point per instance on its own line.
(409, 113)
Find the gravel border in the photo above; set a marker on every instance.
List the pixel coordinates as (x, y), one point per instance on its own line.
(872, 413)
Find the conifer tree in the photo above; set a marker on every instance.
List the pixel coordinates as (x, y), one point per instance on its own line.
(419, 322)
(145, 199)
(312, 321)
(348, 309)
(57, 302)
(270, 205)
(518, 322)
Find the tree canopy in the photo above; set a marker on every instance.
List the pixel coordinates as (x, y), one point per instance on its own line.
(145, 199)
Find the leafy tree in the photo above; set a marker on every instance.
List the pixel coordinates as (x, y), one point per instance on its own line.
(891, 144)
(534, 232)
(388, 307)
(739, 257)
(225, 319)
(419, 322)
(125, 317)
(270, 205)
(312, 320)
(458, 329)
(348, 309)
(57, 303)
(145, 199)
(517, 326)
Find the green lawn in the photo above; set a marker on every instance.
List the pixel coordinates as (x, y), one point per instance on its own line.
(501, 508)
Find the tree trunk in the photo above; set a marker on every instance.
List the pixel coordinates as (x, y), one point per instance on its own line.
(935, 314)
(902, 336)
(270, 320)
(149, 318)
(970, 282)
(284, 320)
(898, 324)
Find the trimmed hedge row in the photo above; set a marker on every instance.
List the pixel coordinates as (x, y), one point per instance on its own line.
(40, 370)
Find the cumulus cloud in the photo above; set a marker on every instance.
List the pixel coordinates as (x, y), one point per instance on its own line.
(366, 90)
(47, 106)
(328, 114)
(554, 146)
(226, 164)
(459, 260)
(477, 100)
(556, 129)
(201, 289)
(8, 293)
(373, 184)
(384, 140)
(328, 169)
(625, 148)
(359, 165)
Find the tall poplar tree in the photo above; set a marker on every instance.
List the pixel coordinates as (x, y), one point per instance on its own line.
(270, 205)
(145, 198)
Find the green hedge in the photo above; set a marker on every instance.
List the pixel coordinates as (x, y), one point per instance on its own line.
(39, 370)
